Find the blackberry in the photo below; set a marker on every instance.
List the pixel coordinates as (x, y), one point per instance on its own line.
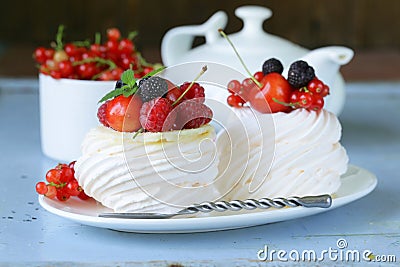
(119, 84)
(272, 65)
(152, 87)
(141, 81)
(300, 74)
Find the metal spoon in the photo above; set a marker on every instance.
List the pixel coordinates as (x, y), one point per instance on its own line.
(321, 201)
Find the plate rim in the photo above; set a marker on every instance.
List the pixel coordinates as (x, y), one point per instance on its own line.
(196, 224)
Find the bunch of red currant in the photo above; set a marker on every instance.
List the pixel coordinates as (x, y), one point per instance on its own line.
(267, 91)
(85, 60)
(61, 183)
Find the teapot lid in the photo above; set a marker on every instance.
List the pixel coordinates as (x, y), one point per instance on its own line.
(253, 43)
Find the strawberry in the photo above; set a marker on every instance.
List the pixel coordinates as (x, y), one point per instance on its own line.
(155, 115)
(122, 113)
(275, 90)
(192, 114)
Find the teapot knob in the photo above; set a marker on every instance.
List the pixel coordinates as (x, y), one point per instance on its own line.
(253, 18)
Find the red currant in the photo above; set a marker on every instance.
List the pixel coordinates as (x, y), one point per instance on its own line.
(116, 73)
(60, 55)
(126, 46)
(82, 195)
(301, 99)
(49, 53)
(51, 191)
(234, 86)
(62, 194)
(147, 69)
(259, 75)
(112, 46)
(325, 90)
(55, 74)
(87, 70)
(41, 188)
(106, 76)
(66, 174)
(53, 176)
(96, 49)
(66, 69)
(235, 101)
(317, 102)
(72, 188)
(315, 86)
(71, 49)
(40, 55)
(113, 34)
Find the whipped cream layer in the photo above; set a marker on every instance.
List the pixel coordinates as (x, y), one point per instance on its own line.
(281, 155)
(153, 172)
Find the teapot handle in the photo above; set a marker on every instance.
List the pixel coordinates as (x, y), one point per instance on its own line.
(178, 41)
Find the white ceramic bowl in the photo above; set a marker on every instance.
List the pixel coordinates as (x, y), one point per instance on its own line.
(68, 110)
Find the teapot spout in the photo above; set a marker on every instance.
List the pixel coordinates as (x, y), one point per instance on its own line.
(326, 61)
(178, 42)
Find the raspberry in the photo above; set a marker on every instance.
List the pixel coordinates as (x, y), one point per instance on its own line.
(101, 114)
(300, 74)
(195, 92)
(192, 114)
(272, 65)
(152, 88)
(156, 115)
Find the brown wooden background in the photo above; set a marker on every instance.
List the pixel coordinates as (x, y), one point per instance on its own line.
(371, 27)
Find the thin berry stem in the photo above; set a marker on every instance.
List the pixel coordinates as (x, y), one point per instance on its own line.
(59, 36)
(203, 70)
(85, 43)
(97, 38)
(137, 133)
(240, 58)
(100, 60)
(285, 104)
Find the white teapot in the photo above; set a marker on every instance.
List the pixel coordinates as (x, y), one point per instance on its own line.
(255, 46)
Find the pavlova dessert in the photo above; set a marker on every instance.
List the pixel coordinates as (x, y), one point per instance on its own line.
(288, 143)
(155, 150)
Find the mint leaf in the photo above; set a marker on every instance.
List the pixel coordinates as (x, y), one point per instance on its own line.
(128, 89)
(128, 77)
(112, 94)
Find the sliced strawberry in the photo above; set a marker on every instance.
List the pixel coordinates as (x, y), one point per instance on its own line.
(275, 90)
(122, 113)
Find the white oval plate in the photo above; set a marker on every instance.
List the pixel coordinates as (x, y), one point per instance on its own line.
(356, 183)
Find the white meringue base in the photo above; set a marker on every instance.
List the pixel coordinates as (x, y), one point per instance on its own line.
(155, 172)
(282, 155)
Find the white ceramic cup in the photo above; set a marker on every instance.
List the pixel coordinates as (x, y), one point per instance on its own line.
(68, 110)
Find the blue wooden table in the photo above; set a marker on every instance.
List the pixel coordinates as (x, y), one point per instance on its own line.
(31, 236)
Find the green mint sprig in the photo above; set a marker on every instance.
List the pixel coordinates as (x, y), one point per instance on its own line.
(130, 86)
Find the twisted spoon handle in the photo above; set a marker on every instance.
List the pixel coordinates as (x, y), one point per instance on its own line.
(321, 201)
